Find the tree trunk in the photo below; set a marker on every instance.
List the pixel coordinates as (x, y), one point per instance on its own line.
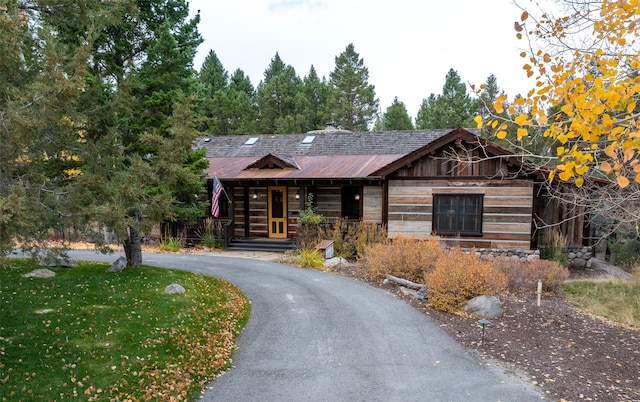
(133, 248)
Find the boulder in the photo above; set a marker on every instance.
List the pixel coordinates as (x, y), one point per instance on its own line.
(484, 306)
(54, 261)
(40, 273)
(174, 289)
(118, 265)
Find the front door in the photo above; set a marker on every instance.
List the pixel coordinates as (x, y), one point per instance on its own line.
(278, 212)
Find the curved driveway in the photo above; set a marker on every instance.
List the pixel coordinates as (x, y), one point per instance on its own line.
(315, 336)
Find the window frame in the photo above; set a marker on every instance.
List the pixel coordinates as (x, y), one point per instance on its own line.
(457, 197)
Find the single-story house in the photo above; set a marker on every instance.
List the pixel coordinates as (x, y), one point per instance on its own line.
(419, 183)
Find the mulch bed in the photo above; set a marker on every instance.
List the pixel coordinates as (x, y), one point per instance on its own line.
(569, 354)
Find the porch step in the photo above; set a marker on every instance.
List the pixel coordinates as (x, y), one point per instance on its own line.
(261, 244)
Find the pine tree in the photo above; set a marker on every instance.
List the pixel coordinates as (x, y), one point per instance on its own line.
(453, 108)
(353, 100)
(396, 117)
(281, 99)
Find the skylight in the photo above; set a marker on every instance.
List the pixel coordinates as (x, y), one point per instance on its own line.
(308, 139)
(252, 140)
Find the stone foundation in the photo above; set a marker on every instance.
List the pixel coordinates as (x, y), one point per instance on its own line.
(578, 256)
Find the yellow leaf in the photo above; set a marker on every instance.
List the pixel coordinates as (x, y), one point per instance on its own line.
(579, 182)
(522, 132)
(478, 120)
(552, 174)
(610, 150)
(565, 175)
(498, 107)
(630, 107)
(560, 150)
(546, 58)
(521, 119)
(623, 181)
(582, 170)
(606, 167)
(636, 168)
(523, 54)
(501, 134)
(524, 16)
(638, 178)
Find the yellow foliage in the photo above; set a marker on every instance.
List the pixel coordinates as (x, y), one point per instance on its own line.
(593, 86)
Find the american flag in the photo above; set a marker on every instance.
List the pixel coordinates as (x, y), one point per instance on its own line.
(215, 197)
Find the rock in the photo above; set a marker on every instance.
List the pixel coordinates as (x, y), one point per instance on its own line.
(118, 265)
(40, 273)
(421, 294)
(532, 257)
(484, 306)
(52, 261)
(174, 289)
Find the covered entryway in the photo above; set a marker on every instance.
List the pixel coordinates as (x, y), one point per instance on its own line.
(277, 210)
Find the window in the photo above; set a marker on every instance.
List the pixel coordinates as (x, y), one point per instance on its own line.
(457, 214)
(351, 202)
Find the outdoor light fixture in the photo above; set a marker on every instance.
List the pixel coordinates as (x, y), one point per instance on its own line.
(255, 195)
(483, 322)
(297, 195)
(357, 197)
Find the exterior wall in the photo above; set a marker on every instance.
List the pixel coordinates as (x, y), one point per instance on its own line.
(329, 202)
(259, 213)
(372, 204)
(507, 210)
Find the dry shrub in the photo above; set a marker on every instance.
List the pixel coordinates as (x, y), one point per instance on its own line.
(403, 257)
(459, 277)
(523, 276)
(351, 239)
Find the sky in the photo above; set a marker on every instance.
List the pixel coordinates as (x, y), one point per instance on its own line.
(408, 46)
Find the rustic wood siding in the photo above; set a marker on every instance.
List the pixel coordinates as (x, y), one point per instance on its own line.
(372, 204)
(259, 214)
(507, 210)
(440, 163)
(329, 202)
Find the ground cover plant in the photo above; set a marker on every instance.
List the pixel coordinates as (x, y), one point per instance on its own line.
(616, 300)
(93, 335)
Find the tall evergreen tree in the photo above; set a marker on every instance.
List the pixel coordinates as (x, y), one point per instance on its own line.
(317, 93)
(396, 117)
(43, 57)
(353, 100)
(281, 100)
(138, 122)
(453, 108)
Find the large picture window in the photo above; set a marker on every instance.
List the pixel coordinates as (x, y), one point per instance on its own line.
(457, 214)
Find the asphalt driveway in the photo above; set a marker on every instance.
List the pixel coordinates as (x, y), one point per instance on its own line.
(315, 336)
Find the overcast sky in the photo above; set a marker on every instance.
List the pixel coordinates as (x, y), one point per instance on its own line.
(407, 45)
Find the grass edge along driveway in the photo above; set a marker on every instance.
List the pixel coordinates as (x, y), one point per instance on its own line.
(96, 335)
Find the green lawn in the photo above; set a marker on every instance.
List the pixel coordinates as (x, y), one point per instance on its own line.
(91, 335)
(616, 300)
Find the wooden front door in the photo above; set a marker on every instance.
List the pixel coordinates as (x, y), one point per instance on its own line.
(278, 212)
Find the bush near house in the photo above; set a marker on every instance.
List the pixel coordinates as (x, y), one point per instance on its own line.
(523, 276)
(403, 257)
(458, 277)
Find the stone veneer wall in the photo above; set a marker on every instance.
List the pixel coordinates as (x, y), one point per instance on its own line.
(579, 256)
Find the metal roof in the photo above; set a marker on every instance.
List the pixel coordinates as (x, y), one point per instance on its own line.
(331, 155)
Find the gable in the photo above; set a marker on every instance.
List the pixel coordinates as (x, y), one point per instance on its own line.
(459, 153)
(271, 161)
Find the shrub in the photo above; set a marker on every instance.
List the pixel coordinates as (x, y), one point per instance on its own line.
(555, 246)
(310, 258)
(171, 244)
(625, 252)
(403, 257)
(458, 277)
(350, 239)
(524, 276)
